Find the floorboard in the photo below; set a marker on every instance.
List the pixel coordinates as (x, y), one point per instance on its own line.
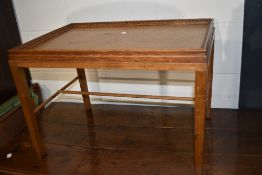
(136, 140)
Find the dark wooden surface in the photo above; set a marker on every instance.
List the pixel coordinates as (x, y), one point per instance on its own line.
(135, 140)
(11, 125)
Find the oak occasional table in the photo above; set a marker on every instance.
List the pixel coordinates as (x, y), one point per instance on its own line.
(181, 45)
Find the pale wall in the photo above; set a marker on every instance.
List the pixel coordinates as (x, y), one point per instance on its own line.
(36, 17)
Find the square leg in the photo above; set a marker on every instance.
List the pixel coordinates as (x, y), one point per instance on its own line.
(84, 88)
(209, 84)
(27, 104)
(199, 120)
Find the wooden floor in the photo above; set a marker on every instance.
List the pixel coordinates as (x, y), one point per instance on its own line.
(135, 140)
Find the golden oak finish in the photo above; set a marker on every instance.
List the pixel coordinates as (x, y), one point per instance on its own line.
(146, 38)
(209, 84)
(150, 47)
(42, 105)
(199, 118)
(28, 105)
(128, 95)
(84, 88)
(181, 45)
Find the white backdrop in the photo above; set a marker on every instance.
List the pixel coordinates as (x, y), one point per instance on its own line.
(36, 17)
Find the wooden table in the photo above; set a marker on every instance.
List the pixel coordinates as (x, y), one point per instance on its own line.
(181, 45)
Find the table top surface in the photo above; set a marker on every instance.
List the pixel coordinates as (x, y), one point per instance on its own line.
(133, 35)
(187, 40)
(131, 38)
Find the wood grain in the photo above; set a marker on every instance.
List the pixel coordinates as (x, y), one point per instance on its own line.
(134, 140)
(84, 88)
(199, 118)
(209, 84)
(181, 45)
(42, 105)
(171, 41)
(27, 105)
(128, 95)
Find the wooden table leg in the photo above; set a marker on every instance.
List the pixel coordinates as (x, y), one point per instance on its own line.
(209, 84)
(199, 118)
(84, 88)
(28, 108)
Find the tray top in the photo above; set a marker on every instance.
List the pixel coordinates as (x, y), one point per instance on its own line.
(156, 45)
(135, 35)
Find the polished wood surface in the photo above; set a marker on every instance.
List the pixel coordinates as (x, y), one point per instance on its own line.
(153, 45)
(11, 124)
(134, 37)
(182, 45)
(131, 35)
(136, 140)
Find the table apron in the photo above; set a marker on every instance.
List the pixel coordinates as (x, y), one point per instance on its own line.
(113, 65)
